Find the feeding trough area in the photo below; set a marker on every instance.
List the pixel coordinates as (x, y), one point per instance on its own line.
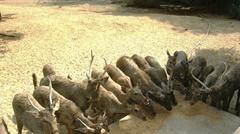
(183, 119)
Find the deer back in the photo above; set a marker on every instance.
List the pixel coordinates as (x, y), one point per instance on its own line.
(140, 61)
(73, 91)
(118, 76)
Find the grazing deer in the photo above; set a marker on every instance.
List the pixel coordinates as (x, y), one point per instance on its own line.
(3, 127)
(134, 94)
(105, 101)
(124, 81)
(177, 69)
(153, 62)
(158, 76)
(222, 91)
(177, 66)
(206, 71)
(119, 77)
(48, 70)
(210, 80)
(68, 114)
(139, 77)
(196, 68)
(76, 92)
(33, 116)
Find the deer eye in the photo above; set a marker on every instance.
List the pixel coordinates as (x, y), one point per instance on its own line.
(136, 110)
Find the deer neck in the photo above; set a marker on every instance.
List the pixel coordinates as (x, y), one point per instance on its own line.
(125, 97)
(123, 108)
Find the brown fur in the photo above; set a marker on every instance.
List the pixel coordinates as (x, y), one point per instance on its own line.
(134, 94)
(26, 114)
(48, 70)
(225, 87)
(106, 102)
(139, 77)
(67, 113)
(153, 62)
(76, 92)
(119, 77)
(158, 76)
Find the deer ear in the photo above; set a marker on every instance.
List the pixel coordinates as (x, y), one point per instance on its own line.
(190, 61)
(124, 89)
(175, 54)
(104, 79)
(168, 53)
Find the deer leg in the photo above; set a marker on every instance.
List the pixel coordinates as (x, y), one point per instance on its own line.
(204, 97)
(19, 126)
(225, 103)
(237, 107)
(230, 98)
(69, 129)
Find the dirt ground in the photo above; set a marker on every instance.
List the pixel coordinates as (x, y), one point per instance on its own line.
(64, 35)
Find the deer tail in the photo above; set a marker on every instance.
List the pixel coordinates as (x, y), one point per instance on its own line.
(34, 76)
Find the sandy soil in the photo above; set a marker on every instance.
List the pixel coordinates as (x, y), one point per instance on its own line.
(64, 37)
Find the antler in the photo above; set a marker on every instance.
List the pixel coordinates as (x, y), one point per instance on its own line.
(195, 78)
(32, 103)
(105, 70)
(50, 94)
(89, 128)
(226, 68)
(89, 74)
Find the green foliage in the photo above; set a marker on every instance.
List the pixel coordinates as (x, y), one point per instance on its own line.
(143, 3)
(231, 7)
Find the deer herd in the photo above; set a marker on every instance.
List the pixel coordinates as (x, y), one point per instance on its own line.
(129, 87)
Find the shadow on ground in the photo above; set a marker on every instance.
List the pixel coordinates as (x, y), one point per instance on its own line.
(5, 37)
(229, 55)
(69, 2)
(174, 15)
(5, 17)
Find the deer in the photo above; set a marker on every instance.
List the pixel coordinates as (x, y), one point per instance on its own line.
(3, 127)
(206, 71)
(152, 61)
(177, 69)
(104, 101)
(74, 91)
(125, 82)
(222, 91)
(33, 116)
(49, 70)
(68, 113)
(133, 96)
(177, 66)
(210, 80)
(119, 77)
(196, 68)
(137, 76)
(158, 76)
